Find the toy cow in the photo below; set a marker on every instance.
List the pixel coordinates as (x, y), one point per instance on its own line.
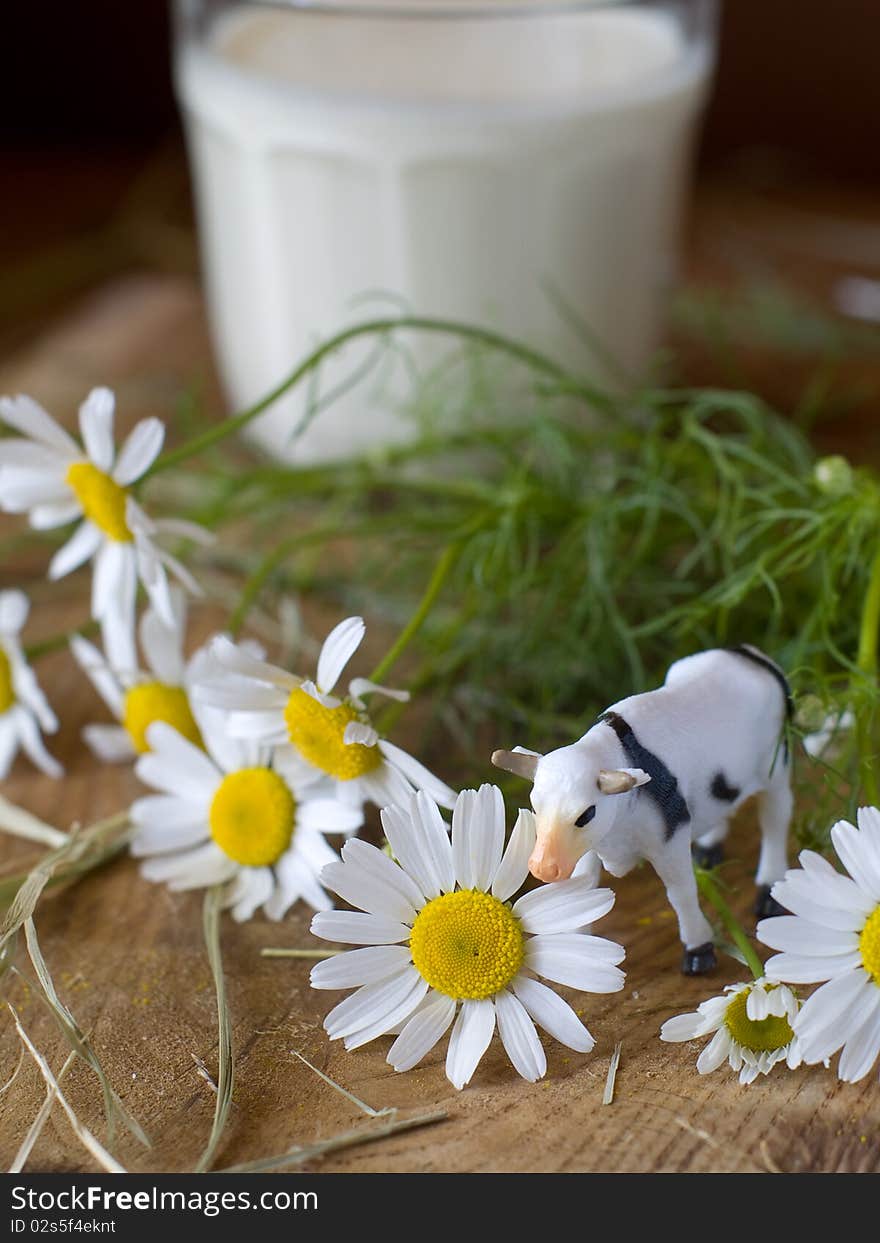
(661, 770)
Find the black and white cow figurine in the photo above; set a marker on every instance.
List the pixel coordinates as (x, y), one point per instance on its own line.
(661, 770)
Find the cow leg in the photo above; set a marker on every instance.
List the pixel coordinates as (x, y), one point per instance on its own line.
(774, 816)
(673, 866)
(707, 849)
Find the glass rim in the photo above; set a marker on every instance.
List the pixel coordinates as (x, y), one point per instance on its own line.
(460, 10)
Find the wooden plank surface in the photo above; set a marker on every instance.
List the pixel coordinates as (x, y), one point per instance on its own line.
(128, 957)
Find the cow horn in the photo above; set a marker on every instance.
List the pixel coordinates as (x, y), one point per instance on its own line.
(620, 780)
(523, 763)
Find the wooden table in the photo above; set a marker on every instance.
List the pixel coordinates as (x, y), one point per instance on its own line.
(129, 959)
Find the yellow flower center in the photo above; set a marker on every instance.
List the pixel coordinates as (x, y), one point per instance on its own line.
(252, 817)
(155, 701)
(7, 694)
(102, 499)
(317, 733)
(757, 1035)
(467, 945)
(869, 945)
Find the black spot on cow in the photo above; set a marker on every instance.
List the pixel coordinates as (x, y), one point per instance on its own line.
(721, 790)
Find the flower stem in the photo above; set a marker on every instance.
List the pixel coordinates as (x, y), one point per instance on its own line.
(467, 332)
(708, 887)
(866, 663)
(441, 572)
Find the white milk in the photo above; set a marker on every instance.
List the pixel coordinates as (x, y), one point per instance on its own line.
(485, 170)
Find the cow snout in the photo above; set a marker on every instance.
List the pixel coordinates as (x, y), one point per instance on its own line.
(543, 869)
(548, 865)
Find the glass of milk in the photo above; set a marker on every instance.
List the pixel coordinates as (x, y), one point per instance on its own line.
(518, 164)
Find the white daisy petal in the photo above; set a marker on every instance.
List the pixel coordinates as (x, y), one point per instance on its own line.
(109, 743)
(370, 894)
(514, 866)
(156, 839)
(82, 545)
(843, 918)
(518, 1035)
(250, 889)
(757, 1004)
(28, 417)
(358, 967)
(30, 456)
(834, 1011)
(868, 820)
(715, 1052)
(858, 854)
(194, 869)
(375, 863)
(96, 427)
(804, 969)
(420, 843)
(22, 490)
(32, 743)
(383, 786)
(478, 836)
(8, 743)
(358, 928)
(469, 1041)
(170, 811)
(553, 1014)
(176, 766)
(418, 1036)
(358, 733)
(162, 644)
(340, 645)
(54, 514)
(370, 1004)
(237, 659)
(568, 958)
(799, 936)
(328, 815)
(139, 452)
(563, 906)
(863, 1047)
(99, 673)
(14, 609)
(358, 687)
(184, 529)
(684, 1027)
(390, 1023)
(421, 777)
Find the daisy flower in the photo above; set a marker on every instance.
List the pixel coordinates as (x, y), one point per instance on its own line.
(441, 945)
(50, 476)
(320, 736)
(24, 709)
(137, 697)
(751, 1028)
(223, 815)
(833, 935)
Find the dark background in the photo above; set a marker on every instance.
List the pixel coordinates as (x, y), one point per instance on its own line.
(798, 77)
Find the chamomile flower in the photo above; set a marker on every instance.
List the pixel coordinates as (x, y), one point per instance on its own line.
(50, 476)
(320, 736)
(751, 1027)
(24, 709)
(442, 947)
(223, 815)
(137, 697)
(833, 935)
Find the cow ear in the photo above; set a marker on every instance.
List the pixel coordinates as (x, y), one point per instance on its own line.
(621, 780)
(519, 761)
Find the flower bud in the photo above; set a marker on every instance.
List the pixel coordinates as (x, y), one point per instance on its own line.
(833, 475)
